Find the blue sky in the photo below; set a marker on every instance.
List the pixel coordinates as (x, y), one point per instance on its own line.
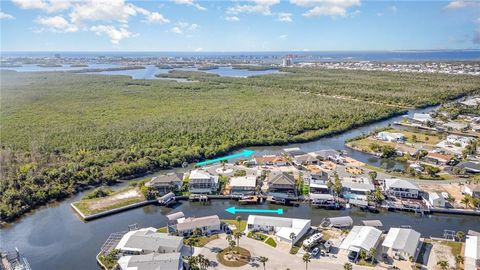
(257, 25)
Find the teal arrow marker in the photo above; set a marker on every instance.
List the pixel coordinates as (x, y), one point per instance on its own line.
(244, 153)
(233, 210)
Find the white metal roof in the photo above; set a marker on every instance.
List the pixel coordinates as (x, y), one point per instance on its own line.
(156, 261)
(243, 181)
(472, 247)
(405, 240)
(147, 239)
(400, 183)
(361, 237)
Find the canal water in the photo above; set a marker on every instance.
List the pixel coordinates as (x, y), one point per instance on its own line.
(53, 237)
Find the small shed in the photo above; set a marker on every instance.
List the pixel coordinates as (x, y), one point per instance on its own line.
(372, 223)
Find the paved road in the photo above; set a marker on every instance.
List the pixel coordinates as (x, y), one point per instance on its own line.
(277, 259)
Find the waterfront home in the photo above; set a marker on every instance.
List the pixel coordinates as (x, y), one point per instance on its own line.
(201, 181)
(148, 240)
(405, 149)
(281, 227)
(391, 137)
(438, 159)
(152, 261)
(472, 252)
(401, 243)
(317, 182)
(329, 154)
(166, 183)
(271, 160)
(456, 126)
(294, 151)
(207, 225)
(401, 188)
(469, 167)
(357, 188)
(436, 200)
(173, 219)
(281, 182)
(472, 190)
(460, 141)
(305, 159)
(360, 238)
(422, 118)
(243, 184)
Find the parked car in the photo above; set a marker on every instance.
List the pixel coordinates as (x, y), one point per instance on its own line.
(315, 251)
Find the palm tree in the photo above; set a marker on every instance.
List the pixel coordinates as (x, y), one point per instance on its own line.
(237, 235)
(192, 261)
(373, 175)
(460, 235)
(347, 266)
(197, 232)
(306, 259)
(191, 241)
(292, 237)
(372, 253)
(239, 219)
(201, 261)
(263, 260)
(459, 259)
(466, 200)
(443, 265)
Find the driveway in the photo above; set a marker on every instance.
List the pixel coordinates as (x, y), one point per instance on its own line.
(277, 259)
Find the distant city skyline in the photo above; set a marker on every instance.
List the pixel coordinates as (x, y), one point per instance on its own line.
(233, 26)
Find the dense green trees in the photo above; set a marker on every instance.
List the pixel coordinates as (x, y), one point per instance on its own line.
(64, 132)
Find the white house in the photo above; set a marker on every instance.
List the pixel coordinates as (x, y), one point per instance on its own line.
(391, 137)
(166, 183)
(436, 200)
(170, 261)
(401, 243)
(361, 238)
(208, 225)
(357, 188)
(243, 184)
(281, 227)
(472, 190)
(201, 181)
(401, 188)
(459, 140)
(147, 240)
(422, 118)
(472, 252)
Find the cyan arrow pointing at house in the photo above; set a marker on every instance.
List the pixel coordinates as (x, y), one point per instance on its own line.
(244, 153)
(233, 210)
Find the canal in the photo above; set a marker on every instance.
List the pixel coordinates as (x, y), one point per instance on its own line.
(53, 237)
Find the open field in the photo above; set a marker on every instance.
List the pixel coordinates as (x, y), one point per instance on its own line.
(63, 132)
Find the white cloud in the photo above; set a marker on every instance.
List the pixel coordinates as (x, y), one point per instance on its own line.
(285, 17)
(56, 24)
(198, 49)
(393, 9)
(379, 14)
(283, 36)
(183, 27)
(189, 3)
(115, 34)
(44, 5)
(256, 6)
(107, 10)
(232, 19)
(155, 17)
(6, 16)
(326, 7)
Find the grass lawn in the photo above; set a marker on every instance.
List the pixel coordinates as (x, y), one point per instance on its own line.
(456, 250)
(257, 236)
(365, 263)
(373, 168)
(203, 240)
(364, 144)
(294, 250)
(239, 257)
(243, 224)
(115, 200)
(162, 230)
(271, 242)
(420, 137)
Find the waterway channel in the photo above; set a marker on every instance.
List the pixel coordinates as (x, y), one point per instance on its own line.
(53, 237)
